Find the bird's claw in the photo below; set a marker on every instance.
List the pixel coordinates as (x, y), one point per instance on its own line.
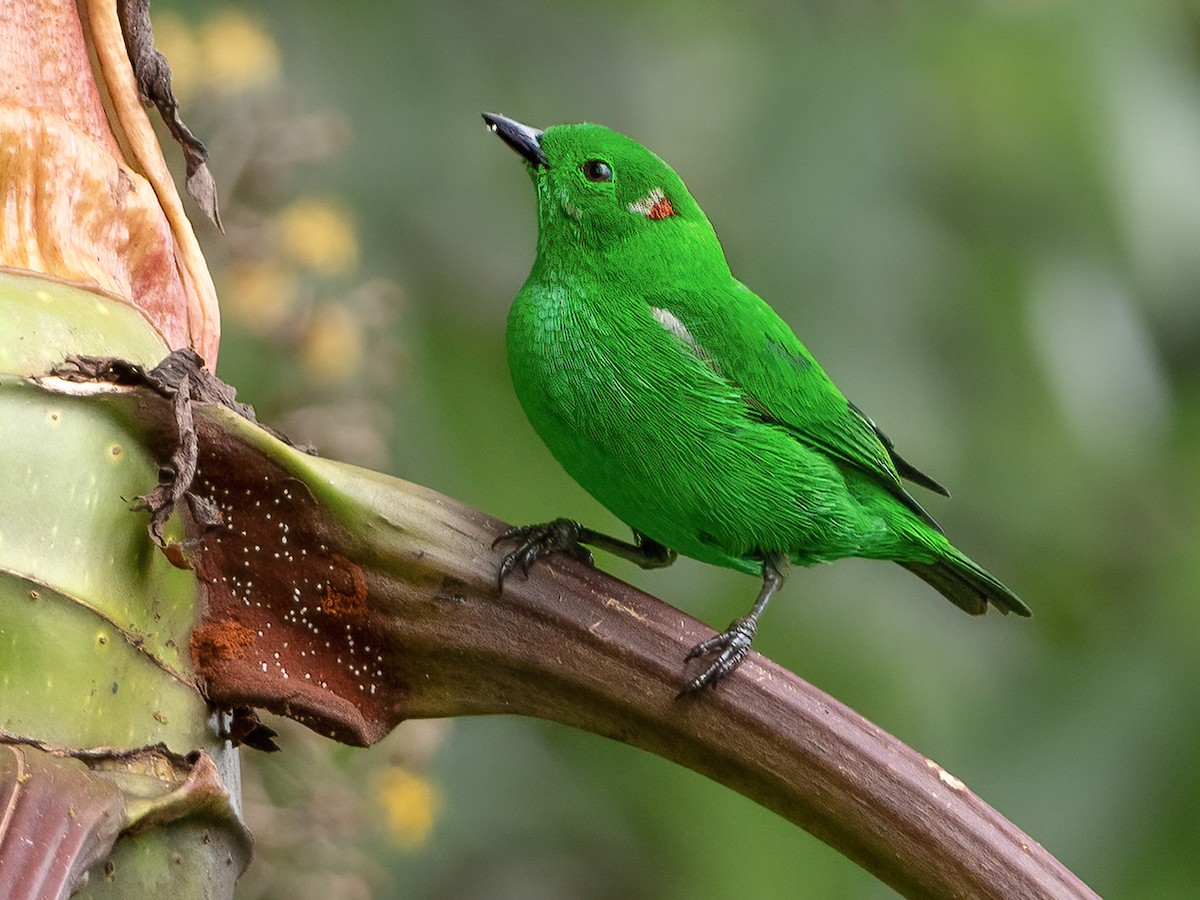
(535, 542)
(733, 644)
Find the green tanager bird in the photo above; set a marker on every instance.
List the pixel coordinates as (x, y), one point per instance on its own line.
(678, 398)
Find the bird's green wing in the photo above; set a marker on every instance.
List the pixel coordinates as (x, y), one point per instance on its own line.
(741, 339)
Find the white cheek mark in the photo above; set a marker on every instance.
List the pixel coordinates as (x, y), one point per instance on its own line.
(646, 205)
(567, 206)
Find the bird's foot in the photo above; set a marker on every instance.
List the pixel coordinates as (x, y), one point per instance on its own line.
(535, 542)
(733, 644)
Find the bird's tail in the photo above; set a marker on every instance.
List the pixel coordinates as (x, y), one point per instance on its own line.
(966, 584)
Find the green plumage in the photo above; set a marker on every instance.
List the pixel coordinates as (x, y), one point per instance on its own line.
(679, 399)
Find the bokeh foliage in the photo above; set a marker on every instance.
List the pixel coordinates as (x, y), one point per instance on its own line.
(983, 220)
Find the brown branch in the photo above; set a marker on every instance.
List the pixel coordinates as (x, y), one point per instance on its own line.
(576, 646)
(352, 601)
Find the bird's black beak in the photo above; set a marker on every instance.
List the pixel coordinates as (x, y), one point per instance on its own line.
(525, 140)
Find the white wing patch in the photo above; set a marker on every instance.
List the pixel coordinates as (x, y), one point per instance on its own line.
(674, 327)
(644, 207)
(669, 321)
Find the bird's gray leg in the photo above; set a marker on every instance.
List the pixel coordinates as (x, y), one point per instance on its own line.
(567, 536)
(734, 641)
(647, 553)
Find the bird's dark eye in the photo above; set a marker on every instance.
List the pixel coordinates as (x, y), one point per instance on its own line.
(597, 170)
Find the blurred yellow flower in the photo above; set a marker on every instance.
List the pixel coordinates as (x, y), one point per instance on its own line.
(259, 295)
(410, 802)
(332, 347)
(319, 236)
(238, 53)
(175, 40)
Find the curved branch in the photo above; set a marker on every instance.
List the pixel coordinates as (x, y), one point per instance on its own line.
(576, 646)
(573, 645)
(353, 601)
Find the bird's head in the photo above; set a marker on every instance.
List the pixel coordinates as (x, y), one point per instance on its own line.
(598, 190)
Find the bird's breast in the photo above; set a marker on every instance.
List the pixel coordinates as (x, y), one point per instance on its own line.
(607, 367)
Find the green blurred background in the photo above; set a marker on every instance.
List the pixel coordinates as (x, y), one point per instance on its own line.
(984, 220)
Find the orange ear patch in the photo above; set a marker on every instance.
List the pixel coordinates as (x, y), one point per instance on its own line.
(654, 205)
(661, 209)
